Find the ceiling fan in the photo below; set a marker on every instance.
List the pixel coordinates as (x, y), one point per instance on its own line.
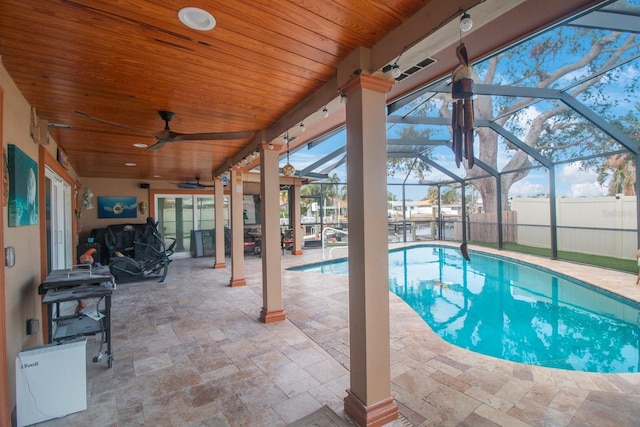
(186, 185)
(167, 135)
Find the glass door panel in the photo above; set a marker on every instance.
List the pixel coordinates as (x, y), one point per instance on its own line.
(205, 213)
(175, 221)
(58, 222)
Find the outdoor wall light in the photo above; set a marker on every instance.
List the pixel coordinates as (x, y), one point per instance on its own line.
(465, 22)
(394, 68)
(395, 71)
(302, 127)
(325, 112)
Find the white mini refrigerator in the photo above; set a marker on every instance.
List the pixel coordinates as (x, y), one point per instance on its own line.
(51, 381)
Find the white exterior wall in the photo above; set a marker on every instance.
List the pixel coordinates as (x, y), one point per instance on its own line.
(600, 212)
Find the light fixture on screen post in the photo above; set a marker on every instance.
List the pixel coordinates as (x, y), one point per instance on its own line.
(325, 112)
(302, 127)
(288, 169)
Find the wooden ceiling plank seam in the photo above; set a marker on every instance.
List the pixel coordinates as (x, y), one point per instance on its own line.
(375, 18)
(211, 92)
(295, 66)
(318, 21)
(400, 10)
(288, 17)
(118, 51)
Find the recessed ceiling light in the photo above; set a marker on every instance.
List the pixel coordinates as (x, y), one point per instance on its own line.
(196, 18)
(157, 176)
(129, 164)
(140, 145)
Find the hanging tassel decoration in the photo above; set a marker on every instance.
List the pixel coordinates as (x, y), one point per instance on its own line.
(462, 114)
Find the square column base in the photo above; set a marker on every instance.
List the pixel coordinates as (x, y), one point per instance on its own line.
(376, 415)
(237, 282)
(219, 265)
(271, 316)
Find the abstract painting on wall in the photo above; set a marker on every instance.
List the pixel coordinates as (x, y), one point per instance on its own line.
(23, 188)
(117, 207)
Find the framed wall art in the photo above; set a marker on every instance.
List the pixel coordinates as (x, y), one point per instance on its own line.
(23, 188)
(117, 207)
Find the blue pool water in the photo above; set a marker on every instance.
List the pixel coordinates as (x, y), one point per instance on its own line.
(513, 310)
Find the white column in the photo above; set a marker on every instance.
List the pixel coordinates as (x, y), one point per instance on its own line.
(219, 223)
(369, 400)
(237, 228)
(272, 309)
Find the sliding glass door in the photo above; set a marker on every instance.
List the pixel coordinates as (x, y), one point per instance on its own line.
(180, 214)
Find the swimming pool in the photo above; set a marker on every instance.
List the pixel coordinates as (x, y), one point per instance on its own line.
(513, 310)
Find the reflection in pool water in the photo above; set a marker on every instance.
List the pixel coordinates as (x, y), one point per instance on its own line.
(513, 310)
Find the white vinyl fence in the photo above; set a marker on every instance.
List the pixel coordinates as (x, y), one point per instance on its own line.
(601, 226)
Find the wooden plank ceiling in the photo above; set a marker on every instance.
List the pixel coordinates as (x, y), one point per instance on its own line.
(118, 63)
(123, 61)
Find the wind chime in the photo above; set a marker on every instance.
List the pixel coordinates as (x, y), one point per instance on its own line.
(462, 115)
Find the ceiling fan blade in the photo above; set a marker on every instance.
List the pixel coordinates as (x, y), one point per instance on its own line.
(106, 122)
(159, 144)
(191, 185)
(212, 136)
(166, 134)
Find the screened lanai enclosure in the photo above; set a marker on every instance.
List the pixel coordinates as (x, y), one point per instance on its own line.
(552, 167)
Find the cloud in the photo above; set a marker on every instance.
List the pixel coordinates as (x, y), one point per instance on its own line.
(526, 189)
(586, 189)
(572, 181)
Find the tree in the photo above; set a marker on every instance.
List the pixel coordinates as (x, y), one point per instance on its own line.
(556, 128)
(406, 165)
(621, 168)
(584, 62)
(448, 195)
